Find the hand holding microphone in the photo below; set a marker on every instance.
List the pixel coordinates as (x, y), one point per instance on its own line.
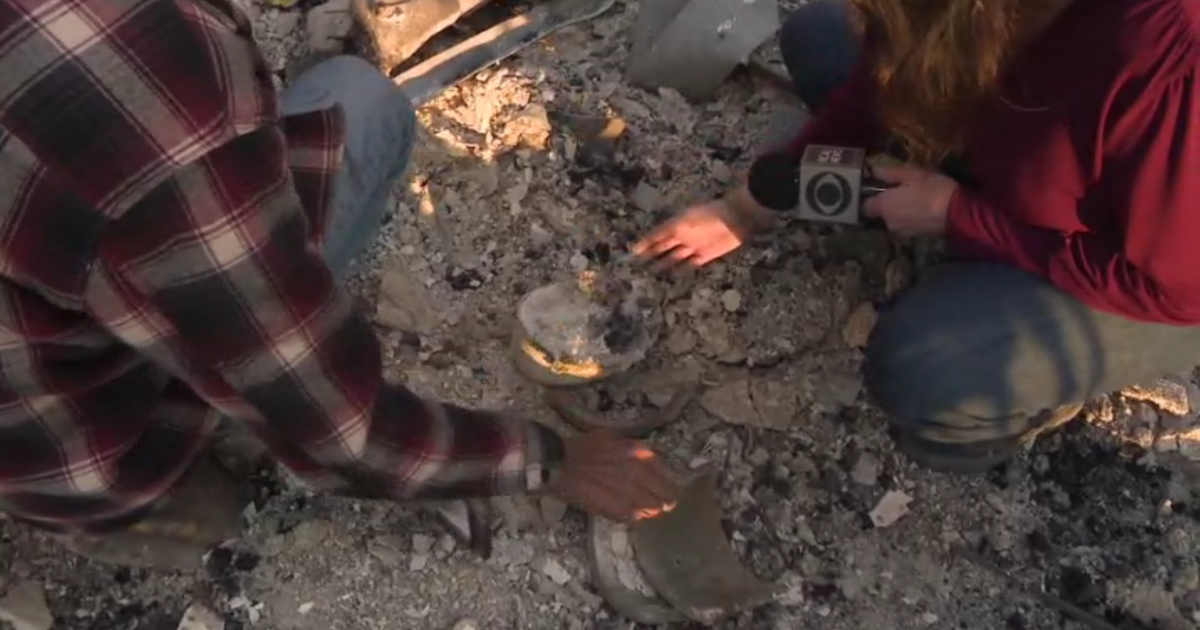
(829, 184)
(837, 185)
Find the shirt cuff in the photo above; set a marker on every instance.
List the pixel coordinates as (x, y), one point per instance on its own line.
(544, 454)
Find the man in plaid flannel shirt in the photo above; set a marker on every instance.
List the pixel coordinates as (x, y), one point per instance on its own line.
(172, 233)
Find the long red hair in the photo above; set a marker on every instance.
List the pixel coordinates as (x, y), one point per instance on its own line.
(936, 61)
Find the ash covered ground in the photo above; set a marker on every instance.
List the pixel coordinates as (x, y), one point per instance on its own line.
(507, 194)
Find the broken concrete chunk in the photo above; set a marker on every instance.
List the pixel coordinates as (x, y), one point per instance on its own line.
(198, 617)
(530, 128)
(731, 402)
(660, 386)
(688, 560)
(405, 304)
(731, 300)
(553, 510)
(25, 607)
(556, 571)
(891, 508)
(693, 45)
(646, 197)
(328, 26)
(859, 325)
(1164, 394)
(866, 470)
(775, 401)
(309, 534)
(398, 29)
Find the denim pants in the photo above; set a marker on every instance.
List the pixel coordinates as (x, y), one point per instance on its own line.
(979, 352)
(380, 129)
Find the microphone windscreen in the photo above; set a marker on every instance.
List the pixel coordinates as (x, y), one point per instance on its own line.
(774, 181)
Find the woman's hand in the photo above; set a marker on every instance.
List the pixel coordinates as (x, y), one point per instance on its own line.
(917, 206)
(704, 232)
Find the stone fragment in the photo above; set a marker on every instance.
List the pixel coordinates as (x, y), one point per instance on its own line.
(405, 304)
(24, 606)
(328, 26)
(891, 508)
(198, 617)
(857, 331)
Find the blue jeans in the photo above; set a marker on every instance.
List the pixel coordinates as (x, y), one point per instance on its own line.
(975, 357)
(380, 131)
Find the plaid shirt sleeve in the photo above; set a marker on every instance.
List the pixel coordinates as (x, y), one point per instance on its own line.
(223, 267)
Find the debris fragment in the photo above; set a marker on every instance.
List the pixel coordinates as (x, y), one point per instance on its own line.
(731, 300)
(616, 574)
(198, 617)
(646, 197)
(328, 26)
(309, 534)
(857, 331)
(553, 510)
(530, 128)
(25, 607)
(693, 45)
(731, 402)
(891, 508)
(687, 558)
(866, 470)
(405, 304)
(556, 571)
(1166, 395)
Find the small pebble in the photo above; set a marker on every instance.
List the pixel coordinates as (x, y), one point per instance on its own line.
(731, 300)
(556, 571)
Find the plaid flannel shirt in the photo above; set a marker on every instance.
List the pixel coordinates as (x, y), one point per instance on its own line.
(160, 238)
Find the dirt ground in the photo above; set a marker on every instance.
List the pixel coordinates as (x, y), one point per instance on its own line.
(506, 196)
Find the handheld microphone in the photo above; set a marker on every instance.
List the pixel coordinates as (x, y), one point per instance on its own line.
(826, 184)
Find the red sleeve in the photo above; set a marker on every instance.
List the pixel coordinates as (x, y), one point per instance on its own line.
(977, 230)
(1152, 177)
(848, 117)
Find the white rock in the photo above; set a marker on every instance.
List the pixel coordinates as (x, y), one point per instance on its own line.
(305, 608)
(198, 617)
(328, 26)
(891, 508)
(646, 198)
(25, 608)
(556, 571)
(422, 543)
(731, 300)
(866, 470)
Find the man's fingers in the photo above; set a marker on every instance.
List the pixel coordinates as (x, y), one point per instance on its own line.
(658, 482)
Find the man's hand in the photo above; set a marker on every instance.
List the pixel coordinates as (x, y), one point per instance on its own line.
(917, 206)
(704, 232)
(614, 477)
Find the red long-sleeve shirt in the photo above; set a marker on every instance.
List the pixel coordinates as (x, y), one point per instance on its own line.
(1088, 168)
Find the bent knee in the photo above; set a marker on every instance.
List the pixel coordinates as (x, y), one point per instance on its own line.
(914, 376)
